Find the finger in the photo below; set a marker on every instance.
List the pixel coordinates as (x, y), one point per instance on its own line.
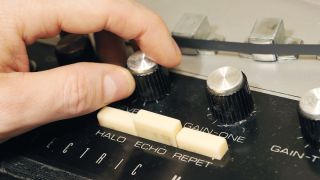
(13, 55)
(110, 48)
(29, 100)
(124, 18)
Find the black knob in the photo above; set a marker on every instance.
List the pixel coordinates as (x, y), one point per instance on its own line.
(74, 48)
(152, 81)
(309, 116)
(229, 95)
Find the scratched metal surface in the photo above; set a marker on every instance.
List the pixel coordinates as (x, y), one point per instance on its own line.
(268, 146)
(234, 20)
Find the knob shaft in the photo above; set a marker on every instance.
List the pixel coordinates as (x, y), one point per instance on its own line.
(152, 81)
(229, 95)
(309, 116)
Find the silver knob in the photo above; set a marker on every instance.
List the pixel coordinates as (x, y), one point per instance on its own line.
(229, 95)
(225, 81)
(309, 116)
(139, 64)
(152, 81)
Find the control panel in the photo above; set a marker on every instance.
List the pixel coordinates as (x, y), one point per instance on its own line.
(268, 137)
(218, 115)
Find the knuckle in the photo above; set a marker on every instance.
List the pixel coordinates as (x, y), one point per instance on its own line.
(156, 19)
(156, 25)
(75, 92)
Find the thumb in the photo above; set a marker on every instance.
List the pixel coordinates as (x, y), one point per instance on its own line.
(29, 100)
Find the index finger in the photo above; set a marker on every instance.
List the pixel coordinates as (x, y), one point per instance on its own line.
(126, 18)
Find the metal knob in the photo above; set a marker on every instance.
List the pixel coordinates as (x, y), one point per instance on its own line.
(229, 95)
(309, 116)
(152, 81)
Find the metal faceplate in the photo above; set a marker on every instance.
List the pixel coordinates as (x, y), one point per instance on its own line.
(234, 20)
(195, 26)
(267, 31)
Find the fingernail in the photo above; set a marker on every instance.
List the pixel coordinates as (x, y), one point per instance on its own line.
(118, 84)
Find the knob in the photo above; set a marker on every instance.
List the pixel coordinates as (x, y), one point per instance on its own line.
(74, 48)
(309, 116)
(152, 81)
(229, 95)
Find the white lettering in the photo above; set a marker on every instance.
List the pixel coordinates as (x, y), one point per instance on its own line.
(235, 138)
(118, 164)
(287, 151)
(65, 150)
(100, 159)
(191, 160)
(148, 147)
(84, 152)
(314, 158)
(176, 177)
(100, 133)
(50, 143)
(111, 136)
(134, 172)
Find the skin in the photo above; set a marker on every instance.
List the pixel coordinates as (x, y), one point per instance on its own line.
(29, 100)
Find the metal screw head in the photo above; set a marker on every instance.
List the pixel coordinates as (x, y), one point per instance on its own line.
(225, 81)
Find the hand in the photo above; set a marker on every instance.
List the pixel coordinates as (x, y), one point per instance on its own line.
(29, 100)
